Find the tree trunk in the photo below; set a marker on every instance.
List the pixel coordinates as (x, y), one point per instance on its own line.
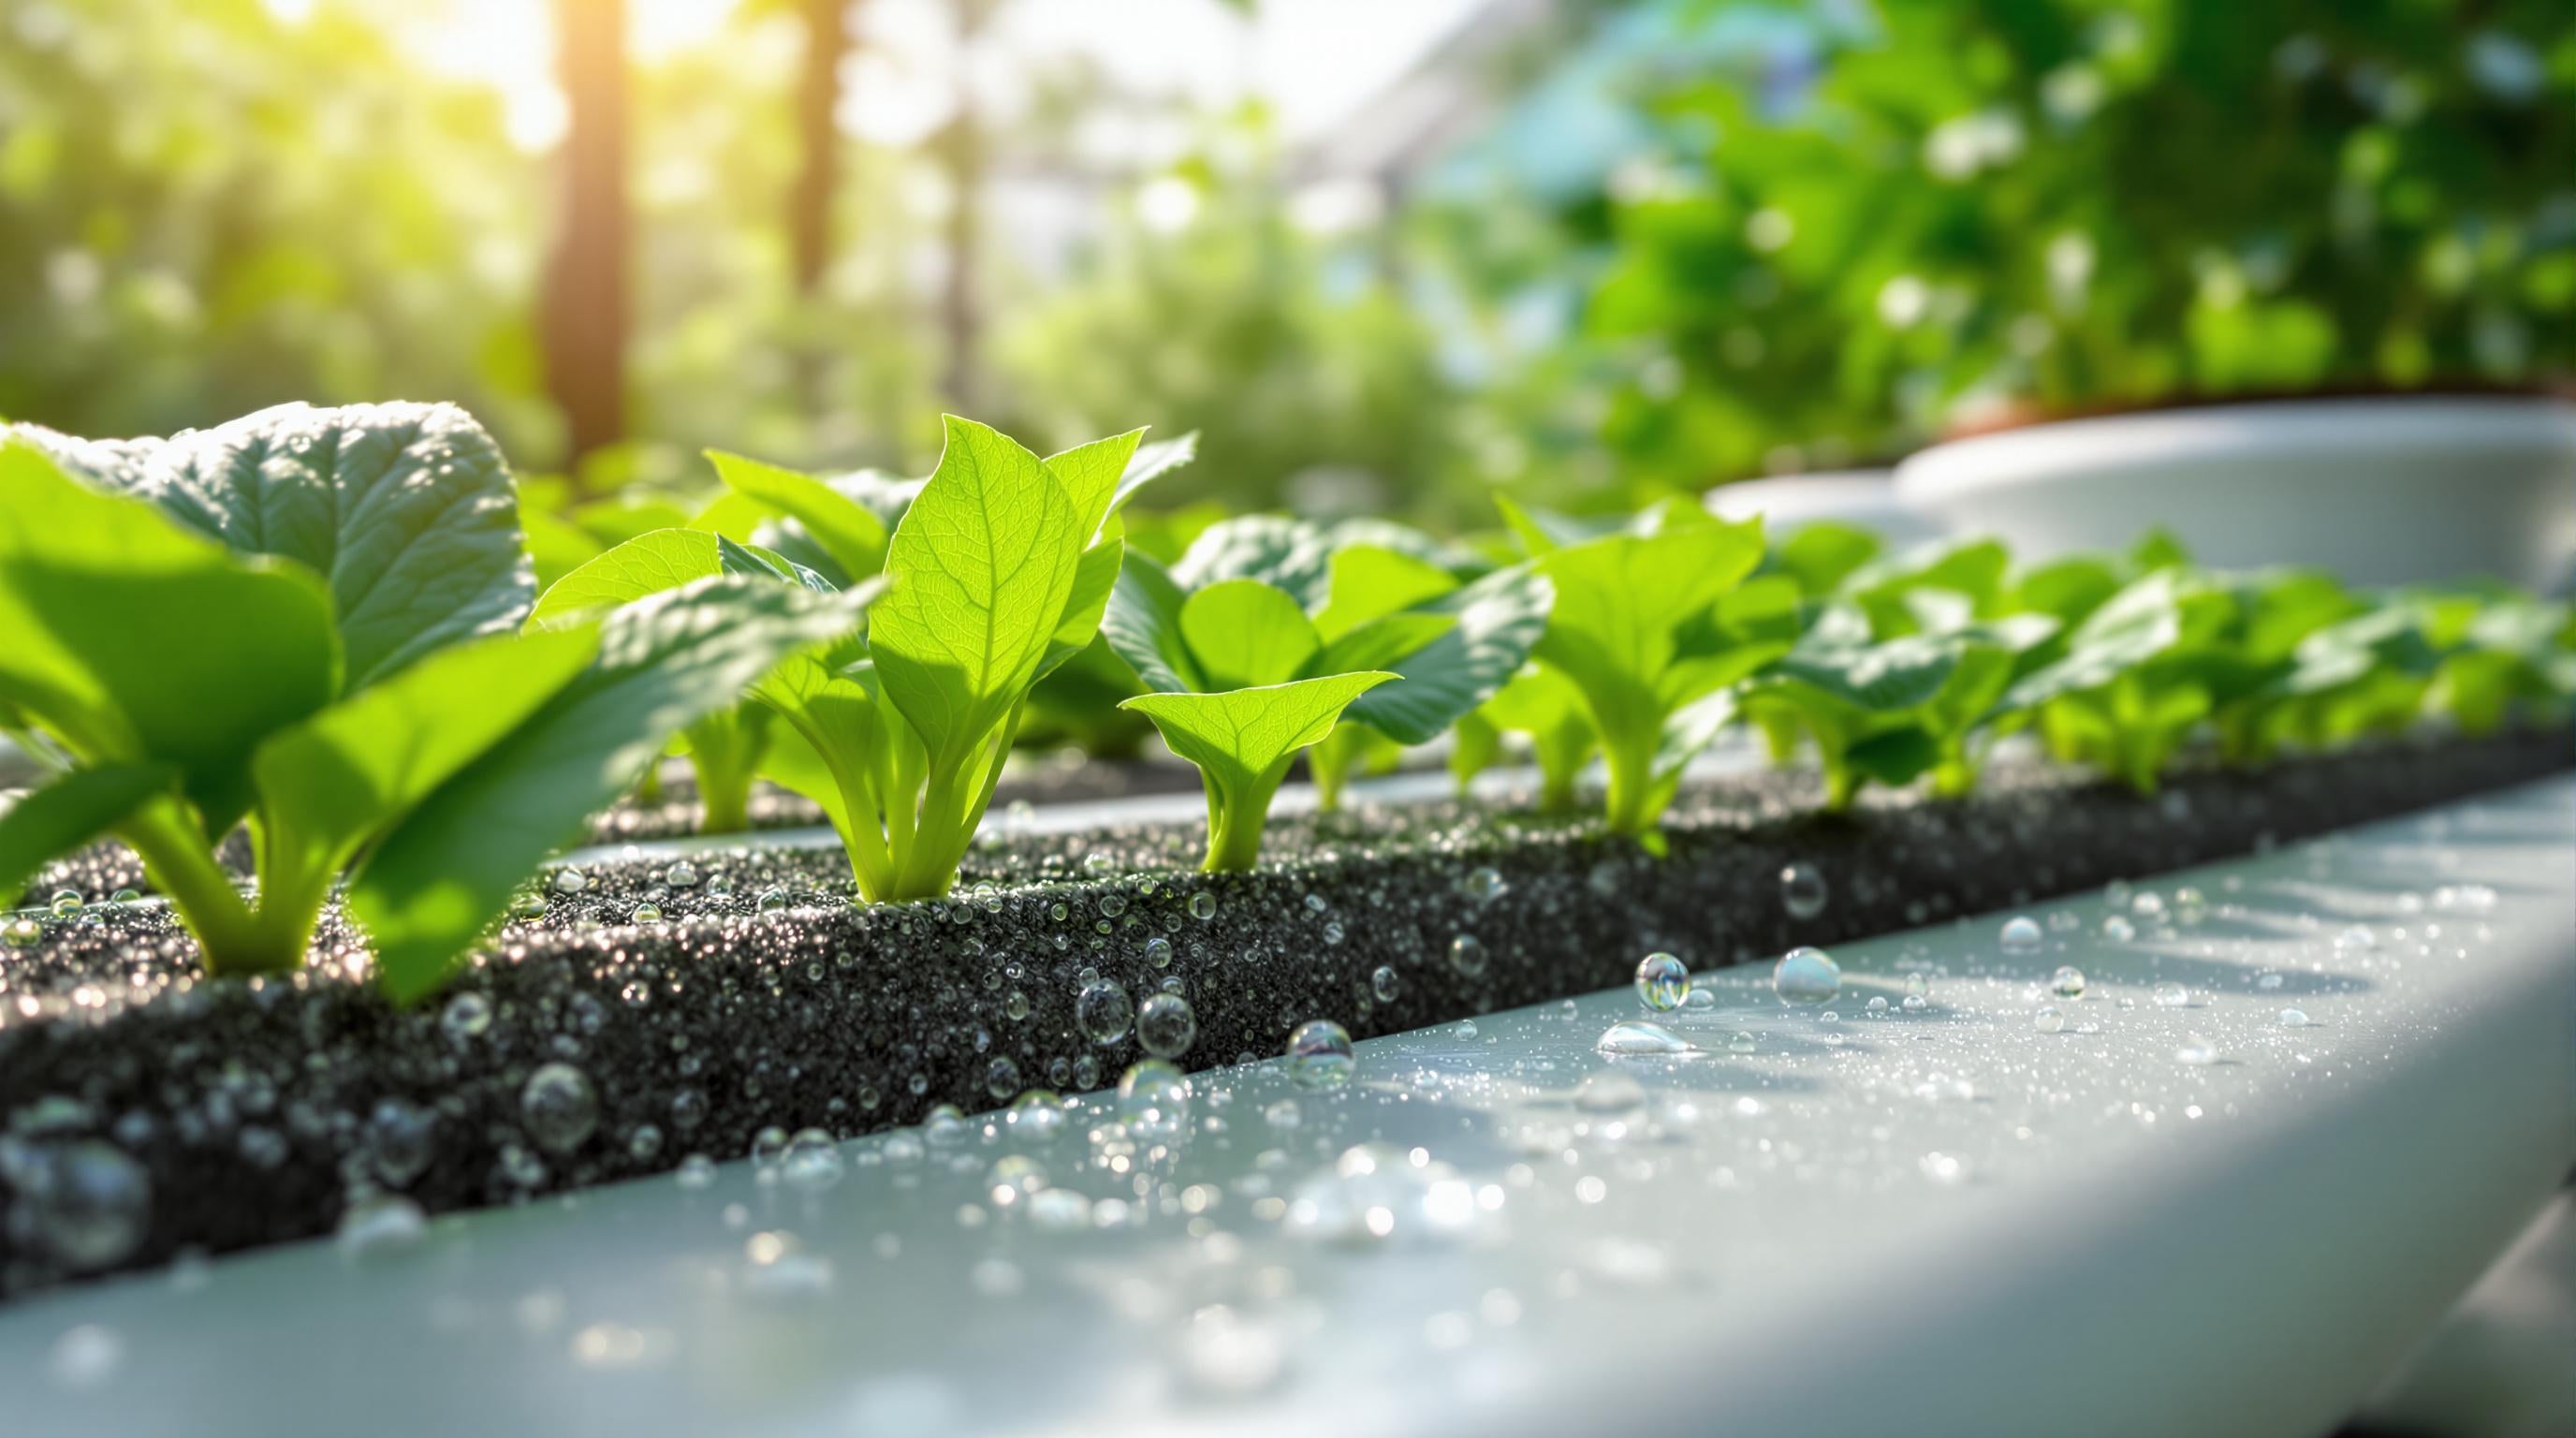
(818, 97)
(962, 147)
(586, 318)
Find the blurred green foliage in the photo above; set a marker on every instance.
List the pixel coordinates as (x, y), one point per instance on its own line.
(1975, 204)
(205, 211)
(1816, 246)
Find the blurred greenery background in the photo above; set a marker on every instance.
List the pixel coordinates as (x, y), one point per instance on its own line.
(1384, 254)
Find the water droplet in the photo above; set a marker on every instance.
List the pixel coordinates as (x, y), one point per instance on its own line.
(1103, 1011)
(86, 1356)
(2048, 1021)
(681, 875)
(2067, 982)
(467, 1016)
(944, 1125)
(644, 1143)
(2022, 935)
(1166, 1026)
(2118, 929)
(2196, 1051)
(2147, 905)
(378, 1225)
(21, 932)
(1916, 1003)
(1806, 976)
(1016, 1006)
(1002, 1076)
(126, 896)
(2269, 980)
(1467, 956)
(1663, 981)
(1802, 891)
(768, 1146)
(1320, 1055)
(1743, 1043)
(1945, 1169)
(2294, 1018)
(2190, 906)
(2357, 938)
(773, 902)
(811, 1161)
(67, 903)
(1484, 885)
(559, 1107)
(87, 1202)
(570, 881)
(1158, 952)
(1635, 1036)
(1112, 905)
(1917, 986)
(648, 913)
(1060, 1210)
(2172, 996)
(1154, 1099)
(1386, 983)
(696, 1171)
(1202, 905)
(528, 906)
(400, 1139)
(1609, 1091)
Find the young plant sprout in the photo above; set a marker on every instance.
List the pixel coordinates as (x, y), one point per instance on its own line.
(995, 574)
(1638, 631)
(1371, 595)
(342, 697)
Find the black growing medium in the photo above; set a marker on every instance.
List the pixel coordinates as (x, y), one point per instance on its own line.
(250, 1104)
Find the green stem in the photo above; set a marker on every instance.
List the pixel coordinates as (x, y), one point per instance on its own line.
(233, 938)
(1331, 763)
(1632, 808)
(724, 800)
(1235, 820)
(1842, 785)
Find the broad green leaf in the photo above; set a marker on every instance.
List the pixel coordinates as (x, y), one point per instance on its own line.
(846, 529)
(1245, 634)
(1899, 674)
(1369, 582)
(664, 661)
(1091, 475)
(1286, 554)
(1542, 531)
(1895, 757)
(1621, 604)
(351, 769)
(1380, 643)
(647, 564)
(1819, 557)
(1142, 626)
(2135, 625)
(1497, 623)
(407, 510)
(1151, 462)
(71, 811)
(734, 558)
(1240, 734)
(982, 565)
(1094, 579)
(134, 640)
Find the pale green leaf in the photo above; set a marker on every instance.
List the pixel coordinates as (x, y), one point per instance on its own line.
(1245, 634)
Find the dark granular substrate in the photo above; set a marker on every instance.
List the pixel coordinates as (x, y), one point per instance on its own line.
(1064, 777)
(254, 1109)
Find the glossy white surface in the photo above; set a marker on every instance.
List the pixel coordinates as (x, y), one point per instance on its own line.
(2153, 1219)
(2381, 491)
